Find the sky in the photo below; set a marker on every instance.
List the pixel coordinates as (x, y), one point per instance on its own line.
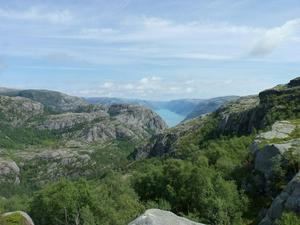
(149, 49)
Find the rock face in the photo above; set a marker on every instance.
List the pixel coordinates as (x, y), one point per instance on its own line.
(106, 124)
(9, 171)
(17, 110)
(269, 147)
(238, 116)
(16, 218)
(288, 200)
(160, 217)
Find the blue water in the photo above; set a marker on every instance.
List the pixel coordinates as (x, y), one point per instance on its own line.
(171, 118)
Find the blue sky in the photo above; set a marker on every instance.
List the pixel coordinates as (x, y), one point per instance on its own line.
(149, 49)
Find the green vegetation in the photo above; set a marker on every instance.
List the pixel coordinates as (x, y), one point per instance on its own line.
(83, 202)
(194, 190)
(289, 218)
(19, 137)
(281, 106)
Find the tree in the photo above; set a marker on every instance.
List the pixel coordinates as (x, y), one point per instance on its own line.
(192, 190)
(86, 203)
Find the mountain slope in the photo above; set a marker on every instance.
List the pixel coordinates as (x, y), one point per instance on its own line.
(242, 116)
(253, 142)
(71, 139)
(208, 106)
(53, 100)
(238, 165)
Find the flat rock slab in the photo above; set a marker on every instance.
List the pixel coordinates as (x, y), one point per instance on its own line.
(160, 217)
(280, 130)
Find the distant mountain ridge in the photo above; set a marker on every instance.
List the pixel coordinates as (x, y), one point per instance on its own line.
(187, 108)
(53, 100)
(180, 106)
(209, 105)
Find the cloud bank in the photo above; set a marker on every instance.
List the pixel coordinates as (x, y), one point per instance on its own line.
(274, 37)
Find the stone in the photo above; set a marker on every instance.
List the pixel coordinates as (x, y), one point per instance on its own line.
(160, 217)
(9, 171)
(280, 130)
(288, 200)
(265, 158)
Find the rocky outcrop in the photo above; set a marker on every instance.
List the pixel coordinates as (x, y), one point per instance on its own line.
(288, 200)
(270, 147)
(16, 218)
(279, 130)
(281, 94)
(17, 110)
(9, 171)
(160, 217)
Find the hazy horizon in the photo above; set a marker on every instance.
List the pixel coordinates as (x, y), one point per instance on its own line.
(154, 50)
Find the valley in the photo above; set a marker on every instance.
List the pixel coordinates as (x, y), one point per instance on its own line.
(173, 111)
(66, 161)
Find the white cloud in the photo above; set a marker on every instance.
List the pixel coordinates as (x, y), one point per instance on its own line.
(274, 37)
(156, 38)
(148, 40)
(154, 87)
(38, 14)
